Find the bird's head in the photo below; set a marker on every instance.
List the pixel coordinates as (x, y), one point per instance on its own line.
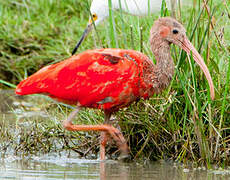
(98, 12)
(166, 31)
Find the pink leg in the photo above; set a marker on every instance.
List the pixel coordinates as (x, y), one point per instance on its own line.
(106, 129)
(104, 138)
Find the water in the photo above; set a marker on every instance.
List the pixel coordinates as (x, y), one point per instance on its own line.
(51, 167)
(66, 165)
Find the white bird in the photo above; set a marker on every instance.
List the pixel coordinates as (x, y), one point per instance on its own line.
(99, 10)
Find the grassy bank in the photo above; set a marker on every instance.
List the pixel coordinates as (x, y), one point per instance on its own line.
(182, 123)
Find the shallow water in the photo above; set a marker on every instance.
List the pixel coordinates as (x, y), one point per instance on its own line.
(63, 167)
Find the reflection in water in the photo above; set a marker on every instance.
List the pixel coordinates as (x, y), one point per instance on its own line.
(63, 167)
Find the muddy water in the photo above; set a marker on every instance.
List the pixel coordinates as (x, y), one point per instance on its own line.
(51, 167)
(66, 165)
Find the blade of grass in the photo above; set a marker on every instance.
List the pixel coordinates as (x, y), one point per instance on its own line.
(226, 90)
(123, 25)
(163, 4)
(95, 28)
(131, 36)
(173, 8)
(7, 83)
(114, 42)
(141, 39)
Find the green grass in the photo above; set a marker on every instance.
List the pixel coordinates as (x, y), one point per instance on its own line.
(182, 123)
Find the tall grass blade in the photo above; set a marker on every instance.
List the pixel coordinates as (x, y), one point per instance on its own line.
(123, 25)
(141, 39)
(223, 107)
(163, 4)
(95, 28)
(173, 8)
(132, 37)
(7, 83)
(114, 42)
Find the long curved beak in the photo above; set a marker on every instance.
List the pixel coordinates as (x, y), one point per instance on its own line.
(84, 35)
(188, 47)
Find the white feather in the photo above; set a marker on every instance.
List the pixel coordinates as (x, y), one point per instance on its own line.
(134, 7)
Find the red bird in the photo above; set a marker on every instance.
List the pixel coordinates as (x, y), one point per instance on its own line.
(110, 79)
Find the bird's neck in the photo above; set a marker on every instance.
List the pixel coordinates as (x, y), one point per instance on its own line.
(163, 71)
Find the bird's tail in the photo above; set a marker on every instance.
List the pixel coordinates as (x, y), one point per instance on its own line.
(34, 84)
(28, 86)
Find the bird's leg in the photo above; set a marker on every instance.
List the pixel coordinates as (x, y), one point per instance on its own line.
(120, 140)
(68, 122)
(104, 137)
(116, 135)
(107, 129)
(103, 141)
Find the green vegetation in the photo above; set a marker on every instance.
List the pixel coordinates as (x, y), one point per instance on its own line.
(182, 123)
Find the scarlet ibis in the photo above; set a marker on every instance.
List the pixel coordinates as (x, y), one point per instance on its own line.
(99, 10)
(110, 79)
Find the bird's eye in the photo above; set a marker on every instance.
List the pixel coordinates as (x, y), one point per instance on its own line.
(94, 17)
(175, 31)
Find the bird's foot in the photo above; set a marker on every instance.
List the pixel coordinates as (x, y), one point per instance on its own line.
(120, 140)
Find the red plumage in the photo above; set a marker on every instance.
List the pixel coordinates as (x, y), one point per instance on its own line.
(107, 78)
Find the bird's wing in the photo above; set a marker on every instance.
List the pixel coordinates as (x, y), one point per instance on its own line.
(92, 77)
